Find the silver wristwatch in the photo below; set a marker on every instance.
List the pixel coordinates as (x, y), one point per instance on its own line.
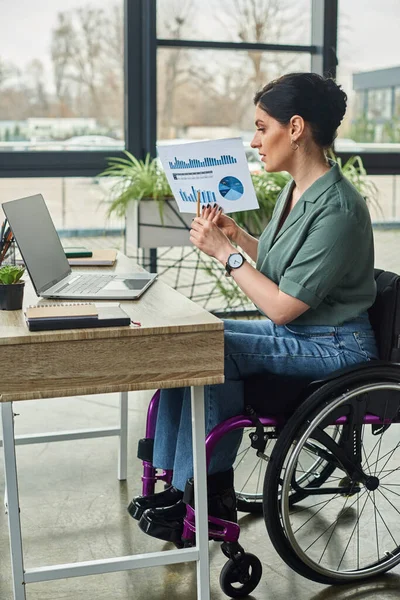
(235, 260)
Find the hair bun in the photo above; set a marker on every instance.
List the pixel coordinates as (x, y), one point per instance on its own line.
(335, 100)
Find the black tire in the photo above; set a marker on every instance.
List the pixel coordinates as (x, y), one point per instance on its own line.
(294, 429)
(245, 571)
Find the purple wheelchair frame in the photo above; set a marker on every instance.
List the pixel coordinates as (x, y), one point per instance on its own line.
(219, 529)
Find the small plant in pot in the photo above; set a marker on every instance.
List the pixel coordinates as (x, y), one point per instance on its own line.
(11, 287)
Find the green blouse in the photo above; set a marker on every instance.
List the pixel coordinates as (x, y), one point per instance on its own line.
(324, 252)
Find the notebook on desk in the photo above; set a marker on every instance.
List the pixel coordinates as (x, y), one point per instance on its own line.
(98, 258)
(74, 316)
(48, 267)
(102, 257)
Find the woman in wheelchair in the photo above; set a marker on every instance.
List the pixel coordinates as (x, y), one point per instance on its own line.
(313, 280)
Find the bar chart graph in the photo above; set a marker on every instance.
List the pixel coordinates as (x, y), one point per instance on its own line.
(194, 163)
(216, 171)
(206, 196)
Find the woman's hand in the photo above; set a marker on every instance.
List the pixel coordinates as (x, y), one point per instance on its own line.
(227, 225)
(210, 239)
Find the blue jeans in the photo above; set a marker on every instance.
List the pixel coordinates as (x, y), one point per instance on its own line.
(253, 347)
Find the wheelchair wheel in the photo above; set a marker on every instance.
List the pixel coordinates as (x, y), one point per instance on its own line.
(348, 528)
(250, 473)
(240, 576)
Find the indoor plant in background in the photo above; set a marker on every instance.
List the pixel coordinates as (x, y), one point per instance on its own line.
(11, 287)
(141, 194)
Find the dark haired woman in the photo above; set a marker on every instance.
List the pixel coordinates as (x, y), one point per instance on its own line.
(313, 280)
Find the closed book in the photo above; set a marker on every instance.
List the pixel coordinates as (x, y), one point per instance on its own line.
(98, 258)
(60, 310)
(102, 257)
(108, 316)
(77, 252)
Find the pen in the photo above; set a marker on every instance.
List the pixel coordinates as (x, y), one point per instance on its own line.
(6, 233)
(136, 323)
(198, 203)
(6, 245)
(2, 229)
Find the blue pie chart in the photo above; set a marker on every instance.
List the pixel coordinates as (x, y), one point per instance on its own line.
(231, 188)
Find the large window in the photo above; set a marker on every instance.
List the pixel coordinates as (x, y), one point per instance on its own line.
(75, 203)
(207, 91)
(93, 77)
(369, 70)
(61, 75)
(267, 21)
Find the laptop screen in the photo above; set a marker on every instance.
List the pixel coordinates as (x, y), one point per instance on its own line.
(38, 241)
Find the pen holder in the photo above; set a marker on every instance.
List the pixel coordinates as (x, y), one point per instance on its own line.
(7, 253)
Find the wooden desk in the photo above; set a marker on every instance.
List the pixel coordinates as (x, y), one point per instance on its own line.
(179, 344)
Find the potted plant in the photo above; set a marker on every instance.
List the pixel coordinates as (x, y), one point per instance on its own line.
(11, 287)
(141, 193)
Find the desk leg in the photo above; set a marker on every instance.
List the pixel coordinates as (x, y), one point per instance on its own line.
(14, 523)
(123, 436)
(200, 492)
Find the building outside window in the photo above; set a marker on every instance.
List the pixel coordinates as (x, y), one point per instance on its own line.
(369, 70)
(379, 104)
(397, 102)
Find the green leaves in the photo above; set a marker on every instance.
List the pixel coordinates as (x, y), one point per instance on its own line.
(267, 186)
(355, 172)
(135, 179)
(10, 274)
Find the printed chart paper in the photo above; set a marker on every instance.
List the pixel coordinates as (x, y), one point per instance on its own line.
(218, 168)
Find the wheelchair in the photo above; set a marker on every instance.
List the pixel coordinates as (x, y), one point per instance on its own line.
(329, 459)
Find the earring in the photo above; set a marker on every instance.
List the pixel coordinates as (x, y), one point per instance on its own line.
(296, 147)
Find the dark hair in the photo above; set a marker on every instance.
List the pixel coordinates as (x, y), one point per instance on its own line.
(320, 101)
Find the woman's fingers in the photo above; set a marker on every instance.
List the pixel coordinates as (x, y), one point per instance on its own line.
(210, 211)
(217, 214)
(198, 223)
(205, 211)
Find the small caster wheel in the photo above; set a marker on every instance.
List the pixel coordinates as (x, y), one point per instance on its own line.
(241, 575)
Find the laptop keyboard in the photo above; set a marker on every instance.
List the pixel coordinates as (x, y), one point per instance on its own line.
(88, 283)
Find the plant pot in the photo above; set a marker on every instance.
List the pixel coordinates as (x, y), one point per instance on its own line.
(144, 227)
(11, 296)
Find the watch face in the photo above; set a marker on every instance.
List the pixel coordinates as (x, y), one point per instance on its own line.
(235, 260)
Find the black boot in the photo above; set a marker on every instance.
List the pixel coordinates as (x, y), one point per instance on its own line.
(221, 496)
(167, 523)
(167, 497)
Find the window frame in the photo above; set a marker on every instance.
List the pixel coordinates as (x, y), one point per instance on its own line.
(375, 163)
(140, 93)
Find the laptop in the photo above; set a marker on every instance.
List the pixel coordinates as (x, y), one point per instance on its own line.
(48, 267)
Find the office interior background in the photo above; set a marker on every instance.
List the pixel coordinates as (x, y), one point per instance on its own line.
(83, 80)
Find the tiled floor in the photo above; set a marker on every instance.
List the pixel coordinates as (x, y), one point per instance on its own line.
(74, 509)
